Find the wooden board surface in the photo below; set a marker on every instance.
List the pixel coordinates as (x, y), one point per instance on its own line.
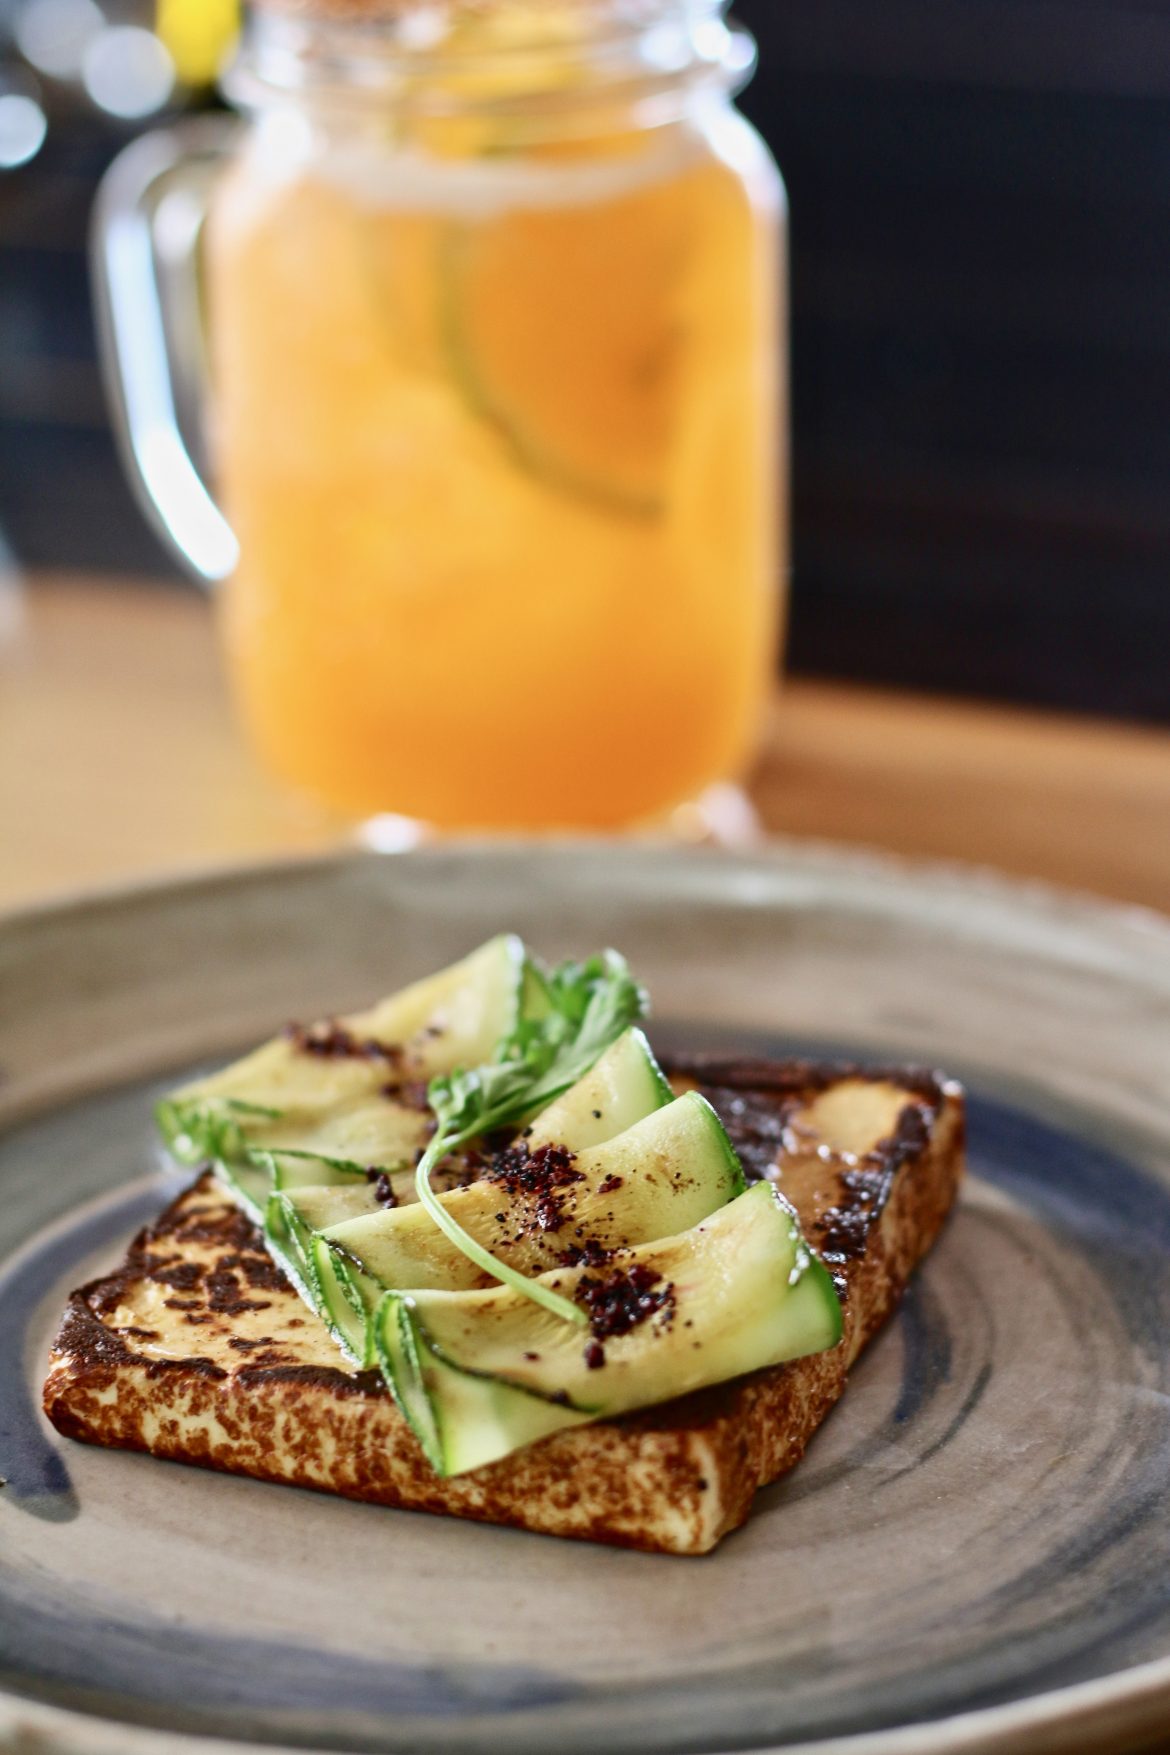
(119, 760)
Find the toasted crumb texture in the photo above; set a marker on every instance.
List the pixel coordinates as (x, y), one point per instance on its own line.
(198, 1349)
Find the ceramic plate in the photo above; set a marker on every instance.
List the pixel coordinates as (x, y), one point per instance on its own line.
(974, 1554)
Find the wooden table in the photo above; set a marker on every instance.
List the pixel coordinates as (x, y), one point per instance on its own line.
(118, 760)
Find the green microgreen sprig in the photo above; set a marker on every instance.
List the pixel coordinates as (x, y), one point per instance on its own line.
(568, 1021)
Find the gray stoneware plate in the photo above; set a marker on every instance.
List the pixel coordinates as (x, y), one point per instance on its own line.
(973, 1555)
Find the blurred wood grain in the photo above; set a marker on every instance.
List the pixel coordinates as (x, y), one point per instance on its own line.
(119, 760)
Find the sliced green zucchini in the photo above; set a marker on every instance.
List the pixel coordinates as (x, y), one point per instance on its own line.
(470, 1417)
(296, 1170)
(310, 1209)
(660, 1176)
(739, 1292)
(345, 1298)
(622, 1088)
(455, 1018)
(341, 1104)
(293, 1217)
(250, 1185)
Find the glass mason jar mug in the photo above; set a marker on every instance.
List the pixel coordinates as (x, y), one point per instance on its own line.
(492, 294)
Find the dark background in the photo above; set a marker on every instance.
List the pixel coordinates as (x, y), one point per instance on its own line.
(980, 192)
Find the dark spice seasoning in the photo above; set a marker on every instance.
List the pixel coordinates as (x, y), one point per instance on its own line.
(623, 1299)
(590, 1252)
(545, 1174)
(549, 1212)
(525, 1172)
(383, 1187)
(410, 1093)
(332, 1041)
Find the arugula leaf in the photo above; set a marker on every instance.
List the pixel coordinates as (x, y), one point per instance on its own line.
(578, 1010)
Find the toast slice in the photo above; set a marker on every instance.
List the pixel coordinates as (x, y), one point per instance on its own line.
(198, 1349)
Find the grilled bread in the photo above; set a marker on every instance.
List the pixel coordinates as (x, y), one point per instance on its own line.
(198, 1348)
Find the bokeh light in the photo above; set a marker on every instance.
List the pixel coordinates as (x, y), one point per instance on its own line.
(53, 35)
(22, 129)
(128, 72)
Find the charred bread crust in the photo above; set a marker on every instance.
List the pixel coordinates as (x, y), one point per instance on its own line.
(675, 1478)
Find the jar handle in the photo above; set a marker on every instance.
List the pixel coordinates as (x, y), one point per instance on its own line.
(148, 219)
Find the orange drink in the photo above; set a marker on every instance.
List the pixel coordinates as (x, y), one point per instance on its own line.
(496, 419)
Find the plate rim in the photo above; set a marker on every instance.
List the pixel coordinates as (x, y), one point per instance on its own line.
(989, 881)
(1113, 1709)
